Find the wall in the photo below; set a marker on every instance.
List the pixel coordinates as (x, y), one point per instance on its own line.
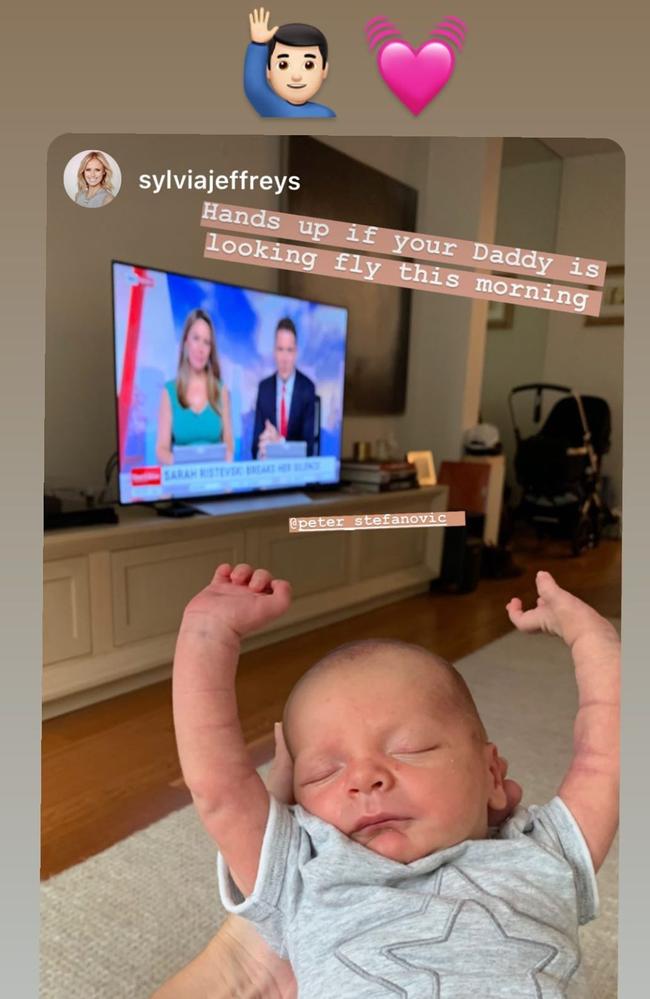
(446, 362)
(573, 206)
(527, 217)
(590, 358)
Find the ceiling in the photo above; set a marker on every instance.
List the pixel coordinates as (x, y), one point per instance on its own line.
(517, 151)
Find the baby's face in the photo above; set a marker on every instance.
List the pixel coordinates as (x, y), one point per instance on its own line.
(382, 753)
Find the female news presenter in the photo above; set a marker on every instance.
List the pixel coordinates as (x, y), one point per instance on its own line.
(195, 406)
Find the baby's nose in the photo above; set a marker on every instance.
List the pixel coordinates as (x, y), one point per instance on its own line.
(364, 780)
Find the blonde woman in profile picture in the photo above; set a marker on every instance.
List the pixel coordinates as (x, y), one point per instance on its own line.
(94, 181)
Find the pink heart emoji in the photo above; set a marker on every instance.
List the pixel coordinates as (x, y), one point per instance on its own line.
(415, 76)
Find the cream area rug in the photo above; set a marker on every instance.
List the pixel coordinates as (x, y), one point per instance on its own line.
(120, 924)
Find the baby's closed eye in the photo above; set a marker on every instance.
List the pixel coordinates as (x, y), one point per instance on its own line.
(414, 750)
(317, 776)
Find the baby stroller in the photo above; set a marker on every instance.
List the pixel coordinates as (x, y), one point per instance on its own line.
(558, 467)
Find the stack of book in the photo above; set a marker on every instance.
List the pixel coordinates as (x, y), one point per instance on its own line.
(377, 476)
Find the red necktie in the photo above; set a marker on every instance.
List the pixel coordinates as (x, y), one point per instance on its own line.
(283, 415)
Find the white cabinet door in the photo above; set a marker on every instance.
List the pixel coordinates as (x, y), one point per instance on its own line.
(66, 609)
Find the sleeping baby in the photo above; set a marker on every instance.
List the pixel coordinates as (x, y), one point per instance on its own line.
(384, 878)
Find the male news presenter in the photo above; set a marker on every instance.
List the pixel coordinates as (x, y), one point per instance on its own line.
(286, 400)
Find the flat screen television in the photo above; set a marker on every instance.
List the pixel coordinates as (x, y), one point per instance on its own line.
(223, 390)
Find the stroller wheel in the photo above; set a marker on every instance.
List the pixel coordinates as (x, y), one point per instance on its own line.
(584, 536)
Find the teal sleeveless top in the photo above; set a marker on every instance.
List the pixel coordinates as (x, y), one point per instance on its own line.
(189, 427)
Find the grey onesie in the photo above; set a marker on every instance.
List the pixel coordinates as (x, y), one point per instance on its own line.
(495, 918)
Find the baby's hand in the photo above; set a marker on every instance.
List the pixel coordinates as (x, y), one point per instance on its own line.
(239, 600)
(557, 613)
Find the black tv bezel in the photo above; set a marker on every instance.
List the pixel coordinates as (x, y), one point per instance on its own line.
(210, 497)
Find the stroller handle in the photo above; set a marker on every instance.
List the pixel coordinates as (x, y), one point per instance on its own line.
(539, 388)
(541, 385)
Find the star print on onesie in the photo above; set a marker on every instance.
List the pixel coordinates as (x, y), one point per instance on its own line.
(479, 938)
(495, 918)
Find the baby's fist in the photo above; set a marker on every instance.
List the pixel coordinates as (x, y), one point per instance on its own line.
(557, 612)
(241, 600)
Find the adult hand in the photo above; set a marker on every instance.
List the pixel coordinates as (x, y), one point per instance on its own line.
(280, 779)
(270, 975)
(513, 795)
(259, 22)
(237, 962)
(269, 435)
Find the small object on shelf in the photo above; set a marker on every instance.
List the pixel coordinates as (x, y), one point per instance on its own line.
(389, 466)
(361, 450)
(426, 471)
(60, 513)
(482, 439)
(378, 472)
(381, 450)
(380, 487)
(378, 476)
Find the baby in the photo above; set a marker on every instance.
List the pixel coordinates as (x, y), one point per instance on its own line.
(384, 879)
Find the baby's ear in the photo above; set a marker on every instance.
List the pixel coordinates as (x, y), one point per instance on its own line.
(497, 797)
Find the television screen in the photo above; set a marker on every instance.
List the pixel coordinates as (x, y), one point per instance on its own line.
(221, 389)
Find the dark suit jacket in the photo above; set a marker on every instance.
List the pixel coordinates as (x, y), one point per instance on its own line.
(300, 425)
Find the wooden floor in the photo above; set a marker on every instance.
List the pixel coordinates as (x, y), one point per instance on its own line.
(111, 769)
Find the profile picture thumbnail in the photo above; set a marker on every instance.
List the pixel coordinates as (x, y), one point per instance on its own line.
(92, 178)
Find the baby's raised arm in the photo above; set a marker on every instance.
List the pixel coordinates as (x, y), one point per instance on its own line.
(590, 789)
(227, 791)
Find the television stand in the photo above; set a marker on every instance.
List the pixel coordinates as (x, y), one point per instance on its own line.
(114, 594)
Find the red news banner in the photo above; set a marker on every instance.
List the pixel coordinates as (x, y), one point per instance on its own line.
(400, 266)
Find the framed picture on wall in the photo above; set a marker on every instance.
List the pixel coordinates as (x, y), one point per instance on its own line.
(612, 307)
(424, 467)
(500, 315)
